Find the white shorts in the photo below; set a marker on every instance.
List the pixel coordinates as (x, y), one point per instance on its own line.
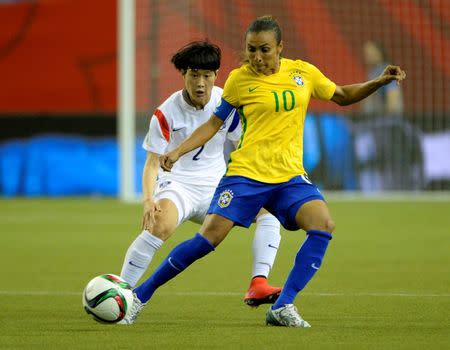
(192, 201)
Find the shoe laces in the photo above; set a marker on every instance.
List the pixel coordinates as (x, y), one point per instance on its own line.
(290, 314)
(135, 309)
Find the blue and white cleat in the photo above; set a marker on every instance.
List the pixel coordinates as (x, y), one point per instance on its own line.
(286, 316)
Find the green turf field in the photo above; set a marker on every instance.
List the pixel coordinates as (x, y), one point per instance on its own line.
(385, 282)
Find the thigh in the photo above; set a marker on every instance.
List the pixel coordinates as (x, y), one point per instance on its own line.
(204, 197)
(289, 197)
(179, 194)
(215, 228)
(314, 215)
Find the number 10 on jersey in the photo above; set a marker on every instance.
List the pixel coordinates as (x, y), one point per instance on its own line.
(288, 98)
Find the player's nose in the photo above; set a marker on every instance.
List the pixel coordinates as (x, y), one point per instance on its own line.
(258, 57)
(201, 82)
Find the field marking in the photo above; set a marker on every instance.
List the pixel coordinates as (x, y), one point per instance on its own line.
(380, 196)
(369, 294)
(388, 196)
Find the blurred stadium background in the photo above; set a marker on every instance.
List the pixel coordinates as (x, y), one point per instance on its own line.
(59, 104)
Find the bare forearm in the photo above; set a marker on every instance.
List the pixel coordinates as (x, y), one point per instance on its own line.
(149, 176)
(356, 92)
(200, 136)
(348, 94)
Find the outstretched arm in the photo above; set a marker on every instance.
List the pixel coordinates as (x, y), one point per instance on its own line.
(348, 94)
(199, 137)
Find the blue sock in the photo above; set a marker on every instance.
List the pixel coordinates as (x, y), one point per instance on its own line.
(307, 262)
(183, 255)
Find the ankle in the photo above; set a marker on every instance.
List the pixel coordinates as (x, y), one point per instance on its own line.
(259, 280)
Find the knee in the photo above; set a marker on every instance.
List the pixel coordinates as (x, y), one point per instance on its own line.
(326, 224)
(329, 225)
(162, 229)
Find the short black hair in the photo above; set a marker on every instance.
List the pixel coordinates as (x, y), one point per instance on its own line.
(265, 24)
(197, 55)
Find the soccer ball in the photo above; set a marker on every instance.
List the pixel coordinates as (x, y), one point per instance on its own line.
(107, 298)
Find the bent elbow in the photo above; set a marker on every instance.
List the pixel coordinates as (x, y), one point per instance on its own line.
(341, 101)
(345, 103)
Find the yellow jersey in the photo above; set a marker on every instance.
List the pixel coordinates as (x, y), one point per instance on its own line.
(272, 110)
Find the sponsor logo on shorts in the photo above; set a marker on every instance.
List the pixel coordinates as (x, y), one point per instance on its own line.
(164, 184)
(225, 198)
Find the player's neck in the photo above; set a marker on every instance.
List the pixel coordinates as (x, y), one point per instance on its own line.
(188, 100)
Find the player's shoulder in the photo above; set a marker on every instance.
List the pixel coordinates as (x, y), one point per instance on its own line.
(298, 64)
(216, 92)
(171, 106)
(172, 100)
(240, 72)
(214, 100)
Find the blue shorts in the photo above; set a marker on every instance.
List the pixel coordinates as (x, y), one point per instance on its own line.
(239, 199)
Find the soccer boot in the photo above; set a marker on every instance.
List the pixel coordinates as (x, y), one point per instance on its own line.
(133, 313)
(286, 316)
(260, 292)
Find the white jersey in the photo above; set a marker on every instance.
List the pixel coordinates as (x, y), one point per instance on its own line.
(173, 122)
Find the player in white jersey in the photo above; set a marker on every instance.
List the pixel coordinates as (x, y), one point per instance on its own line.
(170, 198)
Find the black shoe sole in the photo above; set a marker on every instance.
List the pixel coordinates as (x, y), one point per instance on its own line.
(270, 299)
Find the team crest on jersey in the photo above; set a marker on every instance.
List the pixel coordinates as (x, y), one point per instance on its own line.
(298, 80)
(225, 198)
(296, 76)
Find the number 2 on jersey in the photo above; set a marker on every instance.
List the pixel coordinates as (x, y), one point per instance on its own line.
(196, 156)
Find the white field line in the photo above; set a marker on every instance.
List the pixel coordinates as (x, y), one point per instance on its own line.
(399, 196)
(226, 294)
(386, 196)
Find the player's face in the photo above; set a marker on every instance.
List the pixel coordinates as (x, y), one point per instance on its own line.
(263, 52)
(198, 83)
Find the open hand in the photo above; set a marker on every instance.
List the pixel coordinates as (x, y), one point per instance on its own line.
(148, 219)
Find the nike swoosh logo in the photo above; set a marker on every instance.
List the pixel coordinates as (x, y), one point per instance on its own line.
(172, 264)
(271, 246)
(313, 265)
(252, 89)
(133, 264)
(178, 129)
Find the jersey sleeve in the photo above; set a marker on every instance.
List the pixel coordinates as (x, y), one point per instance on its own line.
(158, 136)
(323, 88)
(229, 99)
(235, 129)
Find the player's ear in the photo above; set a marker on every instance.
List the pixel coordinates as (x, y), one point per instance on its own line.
(280, 47)
(216, 74)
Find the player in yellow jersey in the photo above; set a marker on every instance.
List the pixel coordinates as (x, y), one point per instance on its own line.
(266, 170)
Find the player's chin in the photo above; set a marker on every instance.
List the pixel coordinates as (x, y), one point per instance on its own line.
(201, 98)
